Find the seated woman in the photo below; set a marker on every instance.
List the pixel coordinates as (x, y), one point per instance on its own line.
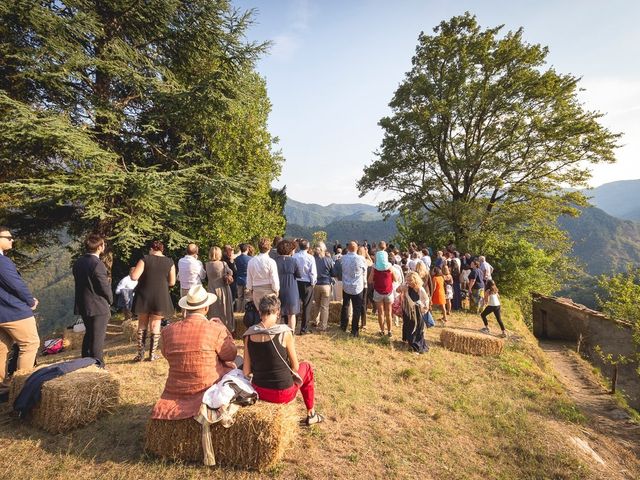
(270, 356)
(199, 351)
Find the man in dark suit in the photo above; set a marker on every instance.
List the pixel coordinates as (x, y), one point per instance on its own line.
(17, 323)
(93, 296)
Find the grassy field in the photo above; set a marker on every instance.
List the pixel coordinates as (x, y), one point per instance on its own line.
(390, 414)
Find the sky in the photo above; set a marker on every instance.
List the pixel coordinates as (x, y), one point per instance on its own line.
(334, 65)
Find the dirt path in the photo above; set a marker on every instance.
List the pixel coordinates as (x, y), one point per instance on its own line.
(610, 439)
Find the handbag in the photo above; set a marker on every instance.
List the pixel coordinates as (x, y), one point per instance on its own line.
(297, 379)
(428, 320)
(396, 306)
(251, 315)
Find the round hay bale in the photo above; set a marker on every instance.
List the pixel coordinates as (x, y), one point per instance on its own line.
(256, 441)
(130, 330)
(72, 340)
(72, 400)
(472, 343)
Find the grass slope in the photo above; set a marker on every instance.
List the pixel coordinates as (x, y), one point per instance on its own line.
(390, 414)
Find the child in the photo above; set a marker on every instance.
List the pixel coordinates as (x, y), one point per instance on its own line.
(492, 302)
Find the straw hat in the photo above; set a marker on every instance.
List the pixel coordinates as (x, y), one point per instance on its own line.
(197, 297)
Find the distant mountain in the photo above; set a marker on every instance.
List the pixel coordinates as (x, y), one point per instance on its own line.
(311, 214)
(602, 242)
(345, 230)
(620, 199)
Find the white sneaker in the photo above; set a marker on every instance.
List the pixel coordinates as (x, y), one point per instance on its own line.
(485, 330)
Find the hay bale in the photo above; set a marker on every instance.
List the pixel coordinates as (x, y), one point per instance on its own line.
(335, 309)
(130, 330)
(72, 400)
(473, 343)
(257, 441)
(72, 340)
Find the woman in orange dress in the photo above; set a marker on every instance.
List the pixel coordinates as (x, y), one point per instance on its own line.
(438, 298)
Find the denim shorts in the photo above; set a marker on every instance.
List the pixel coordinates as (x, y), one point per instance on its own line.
(379, 297)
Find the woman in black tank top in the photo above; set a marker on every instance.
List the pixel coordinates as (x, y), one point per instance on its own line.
(270, 358)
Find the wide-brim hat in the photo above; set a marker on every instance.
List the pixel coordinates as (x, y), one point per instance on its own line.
(382, 261)
(196, 298)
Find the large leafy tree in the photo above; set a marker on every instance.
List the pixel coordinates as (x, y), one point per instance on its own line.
(134, 119)
(482, 140)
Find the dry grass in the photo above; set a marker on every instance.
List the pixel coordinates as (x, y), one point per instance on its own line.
(390, 414)
(130, 330)
(256, 441)
(472, 343)
(72, 340)
(70, 401)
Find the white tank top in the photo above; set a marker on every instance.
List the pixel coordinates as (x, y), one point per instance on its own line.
(494, 300)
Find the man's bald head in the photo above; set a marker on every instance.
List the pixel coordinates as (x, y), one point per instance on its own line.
(192, 249)
(352, 246)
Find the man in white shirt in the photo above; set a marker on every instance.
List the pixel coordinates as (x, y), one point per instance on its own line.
(262, 273)
(125, 293)
(413, 261)
(485, 268)
(190, 270)
(308, 277)
(426, 259)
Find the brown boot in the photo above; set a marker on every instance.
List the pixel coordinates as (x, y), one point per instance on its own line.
(154, 339)
(142, 338)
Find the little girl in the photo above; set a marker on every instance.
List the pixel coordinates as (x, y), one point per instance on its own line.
(492, 302)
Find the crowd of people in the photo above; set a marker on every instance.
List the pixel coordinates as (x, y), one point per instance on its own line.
(290, 285)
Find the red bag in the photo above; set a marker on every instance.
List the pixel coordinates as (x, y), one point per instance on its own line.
(52, 346)
(396, 306)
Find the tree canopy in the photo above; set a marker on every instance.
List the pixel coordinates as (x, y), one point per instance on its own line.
(483, 138)
(135, 120)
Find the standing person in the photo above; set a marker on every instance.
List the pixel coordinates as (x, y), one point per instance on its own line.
(190, 270)
(415, 304)
(273, 253)
(241, 261)
(398, 279)
(219, 277)
(17, 323)
(93, 296)
(337, 271)
(367, 293)
(228, 258)
(262, 273)
(354, 271)
(125, 293)
(156, 274)
(456, 270)
(426, 259)
(322, 288)
(492, 300)
(427, 282)
(476, 285)
(306, 282)
(438, 297)
(448, 288)
(288, 273)
(485, 268)
(381, 278)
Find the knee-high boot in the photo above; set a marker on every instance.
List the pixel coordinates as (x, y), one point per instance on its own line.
(154, 339)
(142, 338)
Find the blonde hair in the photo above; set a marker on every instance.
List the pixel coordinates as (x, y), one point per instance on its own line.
(414, 280)
(363, 252)
(445, 270)
(215, 254)
(421, 270)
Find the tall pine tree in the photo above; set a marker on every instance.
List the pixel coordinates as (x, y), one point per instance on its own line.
(136, 120)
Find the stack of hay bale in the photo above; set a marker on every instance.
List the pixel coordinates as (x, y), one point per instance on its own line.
(256, 441)
(130, 330)
(473, 343)
(72, 340)
(72, 400)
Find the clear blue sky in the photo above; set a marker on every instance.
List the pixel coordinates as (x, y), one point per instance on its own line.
(334, 66)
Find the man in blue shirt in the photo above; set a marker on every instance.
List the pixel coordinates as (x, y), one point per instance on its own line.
(308, 278)
(242, 261)
(17, 323)
(476, 285)
(354, 275)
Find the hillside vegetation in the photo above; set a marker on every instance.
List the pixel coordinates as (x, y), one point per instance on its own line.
(390, 414)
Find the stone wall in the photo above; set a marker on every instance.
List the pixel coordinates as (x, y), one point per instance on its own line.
(561, 319)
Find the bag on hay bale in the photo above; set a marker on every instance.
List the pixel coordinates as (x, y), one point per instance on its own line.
(72, 400)
(473, 343)
(256, 441)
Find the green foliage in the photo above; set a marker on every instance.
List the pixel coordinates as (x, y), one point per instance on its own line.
(481, 135)
(319, 236)
(136, 120)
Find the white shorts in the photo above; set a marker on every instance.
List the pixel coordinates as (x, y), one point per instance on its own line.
(379, 297)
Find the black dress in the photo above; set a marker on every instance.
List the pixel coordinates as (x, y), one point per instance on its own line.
(152, 293)
(413, 325)
(288, 271)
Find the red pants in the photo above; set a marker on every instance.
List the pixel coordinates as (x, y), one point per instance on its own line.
(307, 389)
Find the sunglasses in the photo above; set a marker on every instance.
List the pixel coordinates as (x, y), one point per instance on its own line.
(7, 237)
